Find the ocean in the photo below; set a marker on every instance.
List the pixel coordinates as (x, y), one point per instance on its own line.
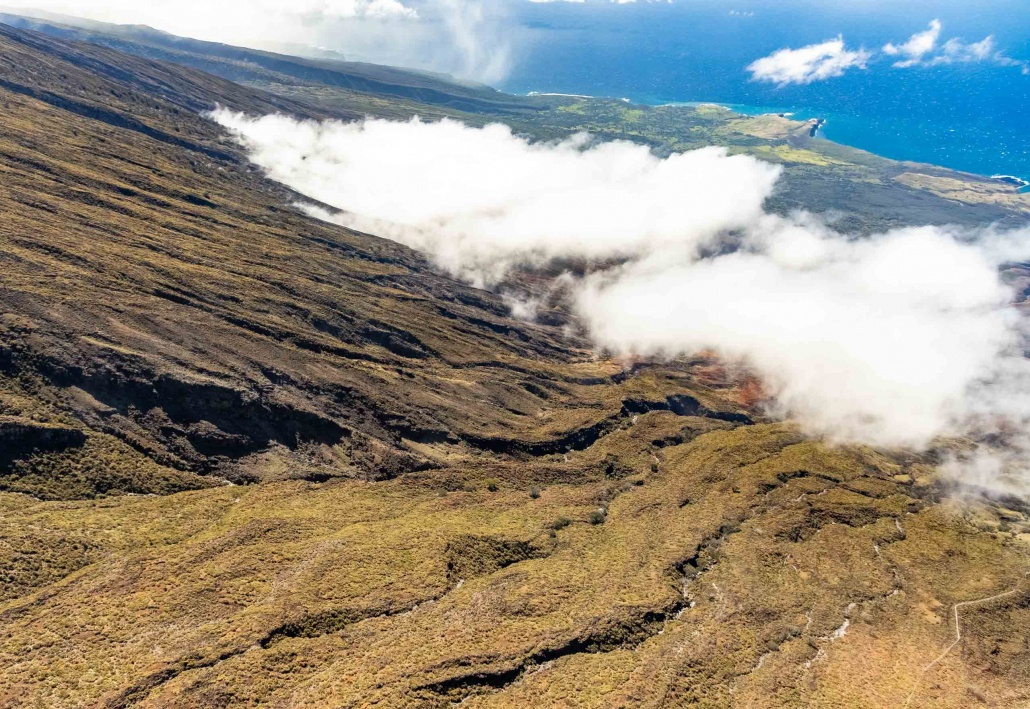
(967, 116)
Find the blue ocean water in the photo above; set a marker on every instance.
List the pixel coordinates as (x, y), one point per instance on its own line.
(973, 117)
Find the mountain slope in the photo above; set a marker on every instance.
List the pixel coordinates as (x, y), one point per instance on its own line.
(432, 502)
(156, 271)
(288, 73)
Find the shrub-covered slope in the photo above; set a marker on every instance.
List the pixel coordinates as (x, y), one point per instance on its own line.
(248, 459)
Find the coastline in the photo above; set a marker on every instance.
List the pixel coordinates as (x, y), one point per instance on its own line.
(845, 129)
(537, 94)
(1019, 183)
(819, 121)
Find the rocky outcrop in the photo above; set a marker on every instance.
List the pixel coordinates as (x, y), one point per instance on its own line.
(20, 438)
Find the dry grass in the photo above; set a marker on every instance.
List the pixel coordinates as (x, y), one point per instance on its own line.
(402, 593)
(536, 537)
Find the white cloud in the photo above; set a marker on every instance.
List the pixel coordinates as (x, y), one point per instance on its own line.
(816, 62)
(917, 46)
(867, 340)
(228, 19)
(955, 50)
(476, 38)
(470, 39)
(482, 200)
(892, 340)
(924, 49)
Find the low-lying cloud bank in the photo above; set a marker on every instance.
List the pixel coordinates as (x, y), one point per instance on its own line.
(482, 200)
(894, 339)
(882, 340)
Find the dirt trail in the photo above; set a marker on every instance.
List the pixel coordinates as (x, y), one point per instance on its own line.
(958, 633)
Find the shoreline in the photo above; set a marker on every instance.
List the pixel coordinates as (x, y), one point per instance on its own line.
(1019, 183)
(817, 122)
(537, 94)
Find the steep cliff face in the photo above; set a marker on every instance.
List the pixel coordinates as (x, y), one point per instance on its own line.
(431, 502)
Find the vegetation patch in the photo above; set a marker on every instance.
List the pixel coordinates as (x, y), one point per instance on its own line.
(100, 466)
(469, 556)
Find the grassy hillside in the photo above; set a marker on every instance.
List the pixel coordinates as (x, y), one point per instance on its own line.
(250, 459)
(335, 81)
